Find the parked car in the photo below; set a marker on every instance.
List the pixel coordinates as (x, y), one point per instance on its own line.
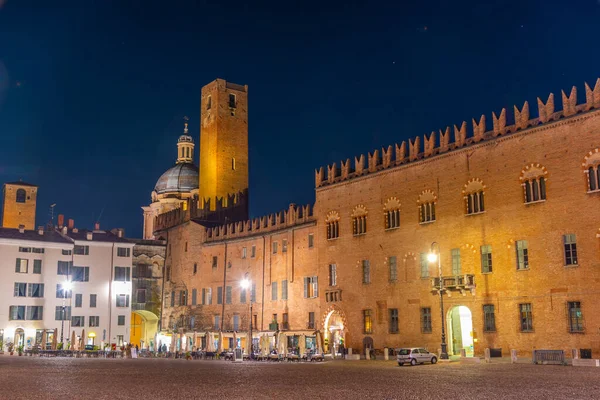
(414, 355)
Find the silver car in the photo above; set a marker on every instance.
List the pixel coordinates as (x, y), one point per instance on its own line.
(414, 356)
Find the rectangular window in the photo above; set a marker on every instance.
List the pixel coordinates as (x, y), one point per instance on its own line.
(122, 274)
(366, 271)
(208, 102)
(486, 258)
(37, 266)
(522, 254)
(575, 317)
(195, 268)
(25, 249)
(311, 320)
(393, 264)
(284, 246)
(21, 266)
(122, 300)
(489, 318)
(38, 250)
(82, 250)
(183, 297)
(194, 297)
(20, 289)
(35, 290)
(311, 287)
(526, 317)
(274, 245)
(123, 251)
(253, 251)
(215, 261)
(228, 295)
(311, 240)
(64, 268)
(93, 298)
(121, 320)
(203, 298)
(284, 290)
(80, 274)
(172, 298)
(286, 321)
(231, 100)
(367, 321)
(424, 264)
(253, 293)
(244, 252)
(62, 315)
(62, 293)
(332, 275)
(425, 319)
(35, 313)
(273, 291)
(94, 321)
(77, 321)
(78, 300)
(243, 296)
(456, 269)
(570, 249)
(66, 252)
(140, 295)
(236, 323)
(209, 296)
(217, 323)
(393, 320)
(220, 295)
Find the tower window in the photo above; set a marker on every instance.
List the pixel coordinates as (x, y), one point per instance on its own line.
(208, 102)
(233, 164)
(232, 102)
(21, 195)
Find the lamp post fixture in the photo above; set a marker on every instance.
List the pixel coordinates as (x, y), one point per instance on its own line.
(247, 284)
(434, 256)
(66, 286)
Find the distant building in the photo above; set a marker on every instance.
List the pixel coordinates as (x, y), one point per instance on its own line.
(19, 205)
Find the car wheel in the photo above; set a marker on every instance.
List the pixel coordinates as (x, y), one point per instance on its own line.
(400, 364)
(413, 362)
(433, 360)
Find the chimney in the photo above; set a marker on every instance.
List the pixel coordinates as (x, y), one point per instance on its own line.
(40, 230)
(75, 230)
(120, 232)
(61, 220)
(21, 228)
(97, 226)
(71, 223)
(64, 230)
(88, 235)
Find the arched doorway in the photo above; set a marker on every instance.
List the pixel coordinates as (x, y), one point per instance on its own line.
(144, 325)
(460, 330)
(334, 331)
(19, 337)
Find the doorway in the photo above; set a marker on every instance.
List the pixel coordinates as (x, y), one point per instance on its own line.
(460, 331)
(19, 337)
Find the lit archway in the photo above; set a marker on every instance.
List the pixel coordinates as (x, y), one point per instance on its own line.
(334, 329)
(144, 326)
(460, 330)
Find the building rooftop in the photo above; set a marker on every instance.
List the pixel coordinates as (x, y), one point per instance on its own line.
(21, 183)
(47, 236)
(97, 236)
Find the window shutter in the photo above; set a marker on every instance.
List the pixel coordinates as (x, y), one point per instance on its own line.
(128, 274)
(17, 266)
(86, 278)
(316, 285)
(127, 301)
(41, 290)
(29, 290)
(305, 287)
(16, 289)
(203, 302)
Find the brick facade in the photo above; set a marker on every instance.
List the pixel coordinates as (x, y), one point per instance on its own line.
(19, 209)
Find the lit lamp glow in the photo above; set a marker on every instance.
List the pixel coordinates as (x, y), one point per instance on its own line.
(245, 284)
(66, 287)
(432, 257)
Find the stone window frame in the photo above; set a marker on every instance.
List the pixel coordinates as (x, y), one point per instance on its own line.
(391, 213)
(359, 220)
(591, 164)
(534, 181)
(474, 195)
(332, 222)
(426, 205)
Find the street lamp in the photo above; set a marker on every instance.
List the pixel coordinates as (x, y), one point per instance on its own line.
(66, 286)
(246, 284)
(432, 257)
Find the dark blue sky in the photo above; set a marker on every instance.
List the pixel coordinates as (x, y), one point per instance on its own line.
(92, 93)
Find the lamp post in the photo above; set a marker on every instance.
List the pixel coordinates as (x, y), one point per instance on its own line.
(432, 257)
(247, 284)
(66, 286)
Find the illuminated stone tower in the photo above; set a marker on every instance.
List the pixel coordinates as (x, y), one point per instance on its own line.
(19, 202)
(223, 141)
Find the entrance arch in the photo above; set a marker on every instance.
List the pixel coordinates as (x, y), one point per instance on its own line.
(19, 337)
(460, 330)
(334, 329)
(144, 326)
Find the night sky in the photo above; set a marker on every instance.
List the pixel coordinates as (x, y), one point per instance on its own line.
(93, 93)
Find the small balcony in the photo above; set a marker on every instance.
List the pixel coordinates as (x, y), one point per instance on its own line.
(332, 296)
(454, 283)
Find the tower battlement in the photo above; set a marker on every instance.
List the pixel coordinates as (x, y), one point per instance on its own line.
(440, 142)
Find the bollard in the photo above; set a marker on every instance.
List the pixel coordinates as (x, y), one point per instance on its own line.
(463, 353)
(513, 356)
(487, 355)
(368, 353)
(386, 353)
(350, 351)
(574, 354)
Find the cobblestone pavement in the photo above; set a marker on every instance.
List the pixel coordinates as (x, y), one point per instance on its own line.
(64, 378)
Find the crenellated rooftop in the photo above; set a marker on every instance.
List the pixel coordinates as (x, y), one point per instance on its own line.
(438, 143)
(293, 216)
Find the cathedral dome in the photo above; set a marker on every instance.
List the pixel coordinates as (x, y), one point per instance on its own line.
(182, 177)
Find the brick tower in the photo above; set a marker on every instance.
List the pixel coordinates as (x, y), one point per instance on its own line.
(223, 141)
(19, 201)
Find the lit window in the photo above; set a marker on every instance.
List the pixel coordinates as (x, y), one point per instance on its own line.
(367, 321)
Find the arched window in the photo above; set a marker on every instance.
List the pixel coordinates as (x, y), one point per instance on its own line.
(391, 212)
(591, 168)
(426, 204)
(333, 225)
(359, 220)
(473, 193)
(533, 178)
(21, 195)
